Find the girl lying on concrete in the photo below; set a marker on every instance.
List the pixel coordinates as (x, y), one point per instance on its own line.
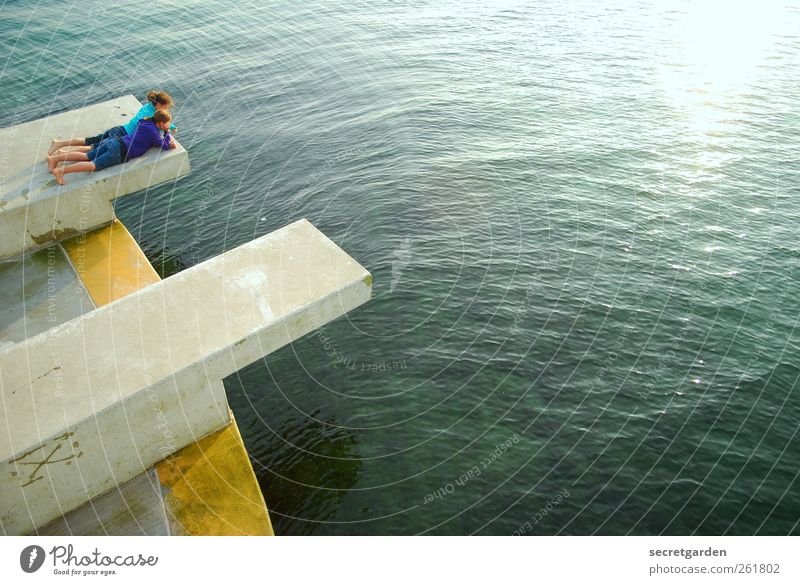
(157, 101)
(115, 150)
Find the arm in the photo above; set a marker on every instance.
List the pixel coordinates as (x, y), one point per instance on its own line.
(166, 143)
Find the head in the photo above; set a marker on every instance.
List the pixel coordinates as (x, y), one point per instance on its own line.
(161, 119)
(160, 99)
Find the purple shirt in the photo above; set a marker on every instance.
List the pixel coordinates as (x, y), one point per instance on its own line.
(145, 136)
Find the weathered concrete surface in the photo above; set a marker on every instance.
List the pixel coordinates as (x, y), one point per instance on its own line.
(38, 291)
(35, 211)
(101, 451)
(210, 487)
(135, 508)
(97, 400)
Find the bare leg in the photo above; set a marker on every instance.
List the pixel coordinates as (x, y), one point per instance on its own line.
(57, 144)
(54, 159)
(79, 167)
(75, 149)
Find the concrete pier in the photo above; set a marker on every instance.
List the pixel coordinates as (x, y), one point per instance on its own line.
(206, 488)
(98, 400)
(115, 418)
(35, 211)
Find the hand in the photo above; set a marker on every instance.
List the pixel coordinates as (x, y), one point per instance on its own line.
(173, 144)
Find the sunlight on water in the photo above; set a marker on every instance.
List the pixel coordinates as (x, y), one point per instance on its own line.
(720, 48)
(723, 43)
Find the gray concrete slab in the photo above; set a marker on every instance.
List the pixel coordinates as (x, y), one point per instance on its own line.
(39, 291)
(107, 395)
(135, 508)
(35, 211)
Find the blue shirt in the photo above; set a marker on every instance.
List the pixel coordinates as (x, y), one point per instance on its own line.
(146, 136)
(146, 111)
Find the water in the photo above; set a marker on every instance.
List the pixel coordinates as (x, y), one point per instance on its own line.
(580, 219)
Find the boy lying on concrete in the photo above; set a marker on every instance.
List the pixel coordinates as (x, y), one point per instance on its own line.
(115, 150)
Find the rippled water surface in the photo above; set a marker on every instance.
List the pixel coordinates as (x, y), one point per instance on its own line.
(581, 221)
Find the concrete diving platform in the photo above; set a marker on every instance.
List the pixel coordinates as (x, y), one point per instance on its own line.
(98, 400)
(115, 418)
(205, 488)
(35, 211)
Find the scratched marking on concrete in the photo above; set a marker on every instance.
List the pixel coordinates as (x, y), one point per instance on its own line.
(41, 456)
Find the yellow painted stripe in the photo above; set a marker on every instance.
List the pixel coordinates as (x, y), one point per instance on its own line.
(210, 488)
(110, 263)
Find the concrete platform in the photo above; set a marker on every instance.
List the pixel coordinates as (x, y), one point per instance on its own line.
(94, 402)
(206, 488)
(135, 508)
(35, 211)
(39, 291)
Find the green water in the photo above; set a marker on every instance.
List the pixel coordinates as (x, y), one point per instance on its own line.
(580, 218)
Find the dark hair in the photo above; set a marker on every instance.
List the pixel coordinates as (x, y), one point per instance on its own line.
(160, 116)
(159, 97)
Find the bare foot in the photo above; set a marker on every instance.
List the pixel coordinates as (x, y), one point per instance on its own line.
(51, 163)
(54, 146)
(59, 175)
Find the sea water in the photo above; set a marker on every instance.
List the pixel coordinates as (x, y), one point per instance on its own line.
(580, 217)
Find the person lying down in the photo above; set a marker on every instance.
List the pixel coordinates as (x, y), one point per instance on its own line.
(114, 150)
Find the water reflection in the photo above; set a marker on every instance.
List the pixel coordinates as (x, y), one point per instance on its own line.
(305, 463)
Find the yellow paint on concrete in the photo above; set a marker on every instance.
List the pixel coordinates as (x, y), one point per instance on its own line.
(210, 488)
(110, 263)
